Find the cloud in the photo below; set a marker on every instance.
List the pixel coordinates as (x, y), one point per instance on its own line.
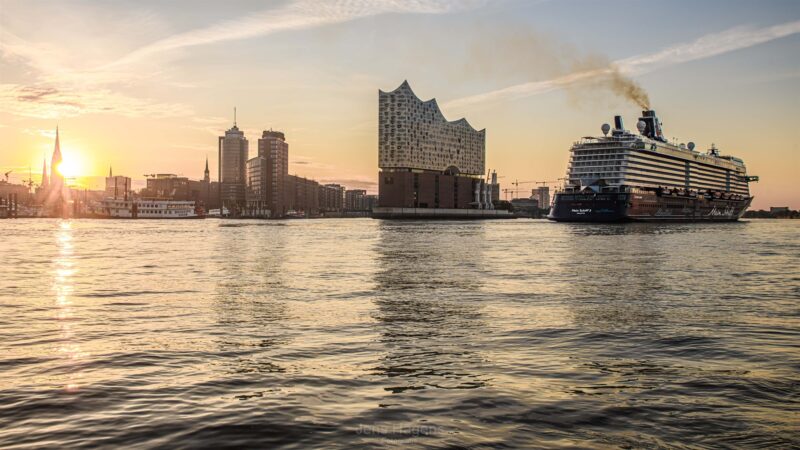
(59, 89)
(48, 102)
(351, 183)
(704, 47)
(297, 15)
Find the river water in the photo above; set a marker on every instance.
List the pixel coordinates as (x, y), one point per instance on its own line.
(338, 333)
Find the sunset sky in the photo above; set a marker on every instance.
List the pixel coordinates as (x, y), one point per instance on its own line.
(147, 86)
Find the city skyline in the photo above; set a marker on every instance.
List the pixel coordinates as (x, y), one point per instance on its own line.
(156, 100)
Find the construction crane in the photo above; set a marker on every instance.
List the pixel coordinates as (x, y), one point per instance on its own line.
(517, 189)
(29, 182)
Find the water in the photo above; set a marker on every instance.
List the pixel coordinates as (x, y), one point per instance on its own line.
(337, 333)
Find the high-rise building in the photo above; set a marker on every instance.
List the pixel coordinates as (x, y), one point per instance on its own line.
(301, 195)
(355, 200)
(275, 150)
(267, 175)
(331, 198)
(542, 194)
(233, 153)
(425, 160)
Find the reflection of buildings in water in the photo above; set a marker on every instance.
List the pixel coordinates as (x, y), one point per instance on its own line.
(247, 298)
(64, 269)
(429, 319)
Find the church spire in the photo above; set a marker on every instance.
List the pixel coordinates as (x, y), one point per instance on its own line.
(110, 172)
(56, 180)
(45, 180)
(206, 173)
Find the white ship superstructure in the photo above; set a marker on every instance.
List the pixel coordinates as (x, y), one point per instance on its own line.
(149, 209)
(626, 176)
(648, 160)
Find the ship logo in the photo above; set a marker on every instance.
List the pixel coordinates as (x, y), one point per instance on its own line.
(728, 211)
(581, 211)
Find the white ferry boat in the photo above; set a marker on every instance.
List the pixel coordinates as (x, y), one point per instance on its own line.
(148, 208)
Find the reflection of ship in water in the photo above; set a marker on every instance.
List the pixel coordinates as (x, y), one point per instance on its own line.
(605, 296)
(430, 320)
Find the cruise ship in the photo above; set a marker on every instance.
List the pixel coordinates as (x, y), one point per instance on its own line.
(642, 177)
(146, 208)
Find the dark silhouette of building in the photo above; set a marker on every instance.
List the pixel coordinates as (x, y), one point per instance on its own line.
(267, 174)
(331, 198)
(233, 153)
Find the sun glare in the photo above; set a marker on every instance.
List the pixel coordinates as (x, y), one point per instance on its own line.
(71, 166)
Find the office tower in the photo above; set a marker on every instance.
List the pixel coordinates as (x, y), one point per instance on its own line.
(233, 153)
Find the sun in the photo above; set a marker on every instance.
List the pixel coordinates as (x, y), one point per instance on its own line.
(71, 166)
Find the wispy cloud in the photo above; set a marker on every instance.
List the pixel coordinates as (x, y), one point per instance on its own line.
(297, 15)
(59, 89)
(48, 102)
(704, 47)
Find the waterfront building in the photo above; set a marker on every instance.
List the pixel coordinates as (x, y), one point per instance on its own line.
(495, 188)
(117, 187)
(267, 175)
(20, 192)
(542, 194)
(370, 201)
(167, 186)
(525, 207)
(331, 198)
(425, 160)
(302, 195)
(355, 200)
(233, 153)
(204, 192)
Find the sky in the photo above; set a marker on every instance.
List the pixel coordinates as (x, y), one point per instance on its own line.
(147, 86)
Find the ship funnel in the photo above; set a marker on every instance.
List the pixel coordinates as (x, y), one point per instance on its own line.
(618, 123)
(652, 127)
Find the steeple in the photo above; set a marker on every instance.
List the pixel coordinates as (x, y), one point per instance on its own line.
(56, 180)
(206, 173)
(110, 172)
(45, 180)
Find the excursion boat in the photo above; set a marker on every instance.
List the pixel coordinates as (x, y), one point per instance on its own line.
(630, 177)
(150, 208)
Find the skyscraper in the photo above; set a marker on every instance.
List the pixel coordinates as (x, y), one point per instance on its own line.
(233, 153)
(267, 174)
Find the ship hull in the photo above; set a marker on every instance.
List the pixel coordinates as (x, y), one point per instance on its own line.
(644, 207)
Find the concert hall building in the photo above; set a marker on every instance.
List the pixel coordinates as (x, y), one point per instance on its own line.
(425, 160)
